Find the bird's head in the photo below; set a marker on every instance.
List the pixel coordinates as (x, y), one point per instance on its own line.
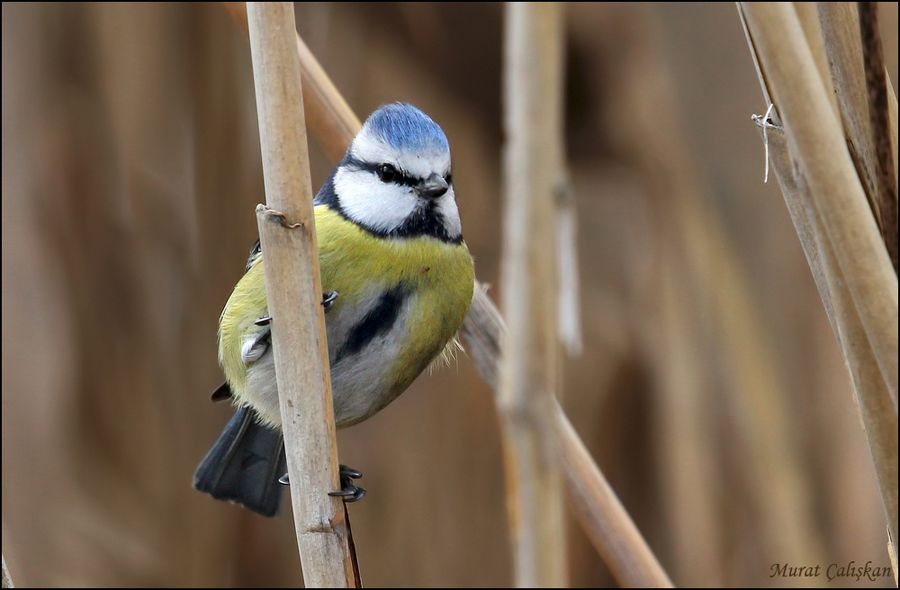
(395, 179)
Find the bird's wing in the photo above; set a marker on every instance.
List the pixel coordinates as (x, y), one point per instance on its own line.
(255, 251)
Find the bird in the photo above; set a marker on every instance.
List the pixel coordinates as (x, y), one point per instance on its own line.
(397, 278)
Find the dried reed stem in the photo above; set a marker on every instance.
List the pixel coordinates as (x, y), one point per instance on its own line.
(330, 119)
(483, 332)
(595, 505)
(842, 243)
(610, 528)
(288, 235)
(529, 373)
(856, 63)
(808, 13)
(892, 117)
(878, 88)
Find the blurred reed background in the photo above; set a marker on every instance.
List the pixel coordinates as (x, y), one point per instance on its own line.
(710, 390)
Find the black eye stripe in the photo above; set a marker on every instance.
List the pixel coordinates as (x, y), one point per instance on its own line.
(401, 177)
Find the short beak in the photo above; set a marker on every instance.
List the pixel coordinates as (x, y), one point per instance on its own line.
(432, 187)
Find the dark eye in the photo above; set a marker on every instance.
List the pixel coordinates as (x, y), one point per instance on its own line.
(387, 173)
(449, 178)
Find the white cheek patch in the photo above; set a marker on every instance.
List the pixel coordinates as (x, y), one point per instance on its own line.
(378, 205)
(382, 206)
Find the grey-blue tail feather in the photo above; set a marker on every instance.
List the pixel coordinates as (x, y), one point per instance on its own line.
(244, 464)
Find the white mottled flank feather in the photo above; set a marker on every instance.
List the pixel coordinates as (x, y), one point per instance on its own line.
(253, 349)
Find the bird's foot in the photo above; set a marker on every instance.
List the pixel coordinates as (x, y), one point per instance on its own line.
(328, 300)
(350, 492)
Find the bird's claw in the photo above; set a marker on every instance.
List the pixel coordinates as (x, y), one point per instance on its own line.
(350, 494)
(349, 491)
(349, 473)
(328, 299)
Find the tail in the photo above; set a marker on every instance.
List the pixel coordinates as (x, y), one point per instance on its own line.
(244, 464)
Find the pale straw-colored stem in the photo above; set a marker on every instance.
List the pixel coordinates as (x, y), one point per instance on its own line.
(288, 235)
(529, 373)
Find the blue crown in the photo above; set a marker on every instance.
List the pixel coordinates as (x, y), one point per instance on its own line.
(404, 127)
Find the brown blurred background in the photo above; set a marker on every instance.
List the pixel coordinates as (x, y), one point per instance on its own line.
(710, 389)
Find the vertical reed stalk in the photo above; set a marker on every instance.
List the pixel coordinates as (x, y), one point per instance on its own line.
(529, 370)
(288, 236)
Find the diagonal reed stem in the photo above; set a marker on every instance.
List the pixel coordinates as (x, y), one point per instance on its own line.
(830, 210)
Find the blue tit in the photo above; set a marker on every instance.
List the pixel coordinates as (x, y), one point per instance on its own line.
(398, 280)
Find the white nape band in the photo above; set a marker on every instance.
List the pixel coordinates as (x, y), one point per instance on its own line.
(421, 164)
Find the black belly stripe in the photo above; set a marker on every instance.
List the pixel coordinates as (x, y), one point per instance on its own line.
(378, 321)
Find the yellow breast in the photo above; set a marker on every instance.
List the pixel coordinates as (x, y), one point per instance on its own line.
(355, 263)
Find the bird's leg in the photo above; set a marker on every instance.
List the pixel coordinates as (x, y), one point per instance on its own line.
(349, 491)
(328, 300)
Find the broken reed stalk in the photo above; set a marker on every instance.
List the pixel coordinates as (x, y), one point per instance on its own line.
(288, 236)
(7, 579)
(529, 373)
(608, 525)
(836, 227)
